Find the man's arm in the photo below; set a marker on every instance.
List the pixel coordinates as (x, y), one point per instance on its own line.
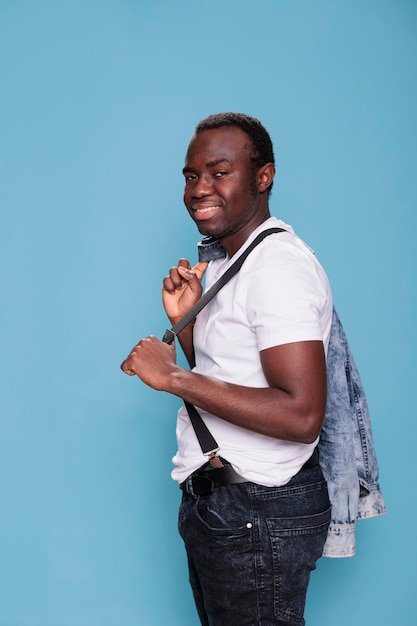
(291, 408)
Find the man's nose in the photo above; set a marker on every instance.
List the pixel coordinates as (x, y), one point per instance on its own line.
(202, 187)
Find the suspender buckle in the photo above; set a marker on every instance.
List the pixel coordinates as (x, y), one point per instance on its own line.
(169, 336)
(214, 459)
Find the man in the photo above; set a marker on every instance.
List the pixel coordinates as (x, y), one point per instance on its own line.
(258, 379)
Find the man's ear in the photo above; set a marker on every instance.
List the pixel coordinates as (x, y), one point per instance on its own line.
(266, 176)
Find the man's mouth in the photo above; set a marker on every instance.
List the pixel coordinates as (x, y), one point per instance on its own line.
(205, 212)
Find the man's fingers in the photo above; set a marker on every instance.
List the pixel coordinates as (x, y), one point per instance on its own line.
(173, 281)
(127, 364)
(148, 359)
(125, 369)
(183, 272)
(190, 273)
(184, 263)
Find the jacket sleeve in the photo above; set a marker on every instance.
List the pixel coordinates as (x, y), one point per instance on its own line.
(347, 453)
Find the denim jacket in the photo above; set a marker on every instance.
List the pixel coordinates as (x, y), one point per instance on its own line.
(347, 454)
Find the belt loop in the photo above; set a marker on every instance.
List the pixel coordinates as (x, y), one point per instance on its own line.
(189, 485)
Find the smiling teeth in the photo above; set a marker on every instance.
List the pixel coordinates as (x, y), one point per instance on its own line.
(210, 208)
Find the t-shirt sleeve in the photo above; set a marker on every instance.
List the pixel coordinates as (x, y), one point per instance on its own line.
(286, 293)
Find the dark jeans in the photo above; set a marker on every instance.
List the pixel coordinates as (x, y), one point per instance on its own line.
(251, 549)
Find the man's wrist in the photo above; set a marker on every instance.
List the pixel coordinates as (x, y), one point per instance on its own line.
(177, 381)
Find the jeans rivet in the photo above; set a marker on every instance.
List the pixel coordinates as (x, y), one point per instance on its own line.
(248, 525)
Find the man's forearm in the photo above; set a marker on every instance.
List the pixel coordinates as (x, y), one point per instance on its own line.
(291, 407)
(268, 411)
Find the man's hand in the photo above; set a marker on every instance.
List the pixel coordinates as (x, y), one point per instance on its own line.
(182, 288)
(152, 361)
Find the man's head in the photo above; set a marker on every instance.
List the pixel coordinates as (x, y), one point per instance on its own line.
(228, 173)
(263, 151)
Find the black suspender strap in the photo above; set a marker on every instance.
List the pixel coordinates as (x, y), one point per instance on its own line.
(206, 440)
(170, 334)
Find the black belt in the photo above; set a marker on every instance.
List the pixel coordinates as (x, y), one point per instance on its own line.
(203, 483)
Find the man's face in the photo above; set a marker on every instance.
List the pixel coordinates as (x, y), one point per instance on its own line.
(221, 190)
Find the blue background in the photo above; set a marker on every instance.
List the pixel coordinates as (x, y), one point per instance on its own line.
(98, 100)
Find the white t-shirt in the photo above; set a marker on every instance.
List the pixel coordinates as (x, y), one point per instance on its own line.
(280, 295)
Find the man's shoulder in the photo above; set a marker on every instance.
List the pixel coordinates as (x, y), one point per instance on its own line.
(280, 243)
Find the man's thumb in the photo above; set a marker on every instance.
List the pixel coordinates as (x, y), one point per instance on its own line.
(200, 269)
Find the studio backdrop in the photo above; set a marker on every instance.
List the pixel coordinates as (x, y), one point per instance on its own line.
(98, 100)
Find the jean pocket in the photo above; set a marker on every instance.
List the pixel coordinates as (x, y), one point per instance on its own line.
(219, 517)
(296, 543)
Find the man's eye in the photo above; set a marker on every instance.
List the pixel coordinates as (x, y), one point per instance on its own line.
(189, 177)
(220, 174)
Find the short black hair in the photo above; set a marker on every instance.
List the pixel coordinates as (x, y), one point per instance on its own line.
(263, 151)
